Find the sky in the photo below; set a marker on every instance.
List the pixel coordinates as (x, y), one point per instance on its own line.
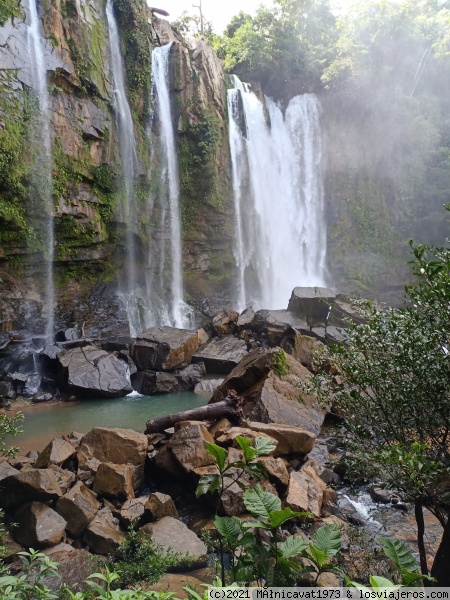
(219, 12)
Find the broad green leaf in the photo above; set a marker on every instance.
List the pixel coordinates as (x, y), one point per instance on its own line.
(292, 546)
(256, 525)
(278, 517)
(328, 538)
(261, 503)
(399, 553)
(409, 579)
(229, 528)
(207, 483)
(264, 445)
(246, 446)
(318, 557)
(381, 582)
(219, 454)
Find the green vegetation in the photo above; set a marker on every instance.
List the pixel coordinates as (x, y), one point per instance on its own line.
(393, 389)
(8, 10)
(280, 365)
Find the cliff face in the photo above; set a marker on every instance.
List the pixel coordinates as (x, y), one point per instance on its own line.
(89, 215)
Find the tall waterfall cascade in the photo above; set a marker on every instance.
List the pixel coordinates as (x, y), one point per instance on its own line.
(168, 273)
(41, 184)
(278, 196)
(128, 160)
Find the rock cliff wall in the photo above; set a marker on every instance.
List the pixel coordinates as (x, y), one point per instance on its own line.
(90, 228)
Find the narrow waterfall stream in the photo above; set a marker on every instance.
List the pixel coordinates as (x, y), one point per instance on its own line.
(41, 200)
(278, 194)
(128, 160)
(170, 268)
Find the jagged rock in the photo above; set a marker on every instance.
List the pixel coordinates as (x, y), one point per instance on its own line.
(312, 304)
(103, 534)
(66, 335)
(133, 511)
(29, 485)
(7, 390)
(74, 438)
(114, 481)
(173, 535)
(164, 348)
(38, 526)
(78, 507)
(224, 322)
(165, 462)
(160, 505)
(57, 452)
(269, 397)
(276, 469)
(232, 500)
(118, 446)
(6, 470)
(188, 445)
(220, 427)
(229, 437)
(51, 352)
(64, 477)
(203, 337)
(94, 372)
(303, 348)
(208, 386)
(149, 382)
(74, 567)
(305, 491)
(379, 494)
(325, 474)
(19, 461)
(246, 318)
(290, 439)
(221, 355)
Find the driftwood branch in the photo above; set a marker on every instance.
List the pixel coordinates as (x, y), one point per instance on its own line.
(230, 408)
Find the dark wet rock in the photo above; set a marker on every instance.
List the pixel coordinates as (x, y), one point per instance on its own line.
(246, 318)
(379, 494)
(74, 567)
(38, 526)
(173, 535)
(312, 304)
(66, 335)
(164, 348)
(149, 382)
(29, 485)
(51, 352)
(41, 397)
(103, 534)
(57, 452)
(78, 507)
(116, 344)
(32, 385)
(95, 372)
(7, 391)
(221, 355)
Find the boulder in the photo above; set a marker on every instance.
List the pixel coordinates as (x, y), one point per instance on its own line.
(133, 511)
(64, 477)
(305, 491)
(78, 507)
(74, 567)
(103, 534)
(208, 386)
(114, 481)
(269, 397)
(188, 445)
(229, 437)
(57, 452)
(164, 348)
(166, 464)
(276, 470)
(221, 355)
(29, 485)
(303, 349)
(149, 382)
(94, 372)
(232, 499)
(174, 535)
(7, 391)
(224, 322)
(246, 318)
(38, 526)
(379, 494)
(312, 304)
(41, 397)
(290, 439)
(118, 446)
(6, 470)
(160, 505)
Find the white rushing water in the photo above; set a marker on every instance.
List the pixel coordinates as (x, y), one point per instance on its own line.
(42, 169)
(174, 310)
(128, 160)
(278, 194)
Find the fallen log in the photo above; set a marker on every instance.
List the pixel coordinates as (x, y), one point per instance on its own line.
(230, 407)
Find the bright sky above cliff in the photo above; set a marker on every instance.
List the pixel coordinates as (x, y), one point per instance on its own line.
(220, 11)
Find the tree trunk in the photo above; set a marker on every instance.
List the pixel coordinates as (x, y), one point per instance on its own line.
(418, 512)
(441, 564)
(230, 407)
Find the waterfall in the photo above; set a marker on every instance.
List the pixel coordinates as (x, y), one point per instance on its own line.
(278, 195)
(128, 160)
(173, 310)
(42, 201)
